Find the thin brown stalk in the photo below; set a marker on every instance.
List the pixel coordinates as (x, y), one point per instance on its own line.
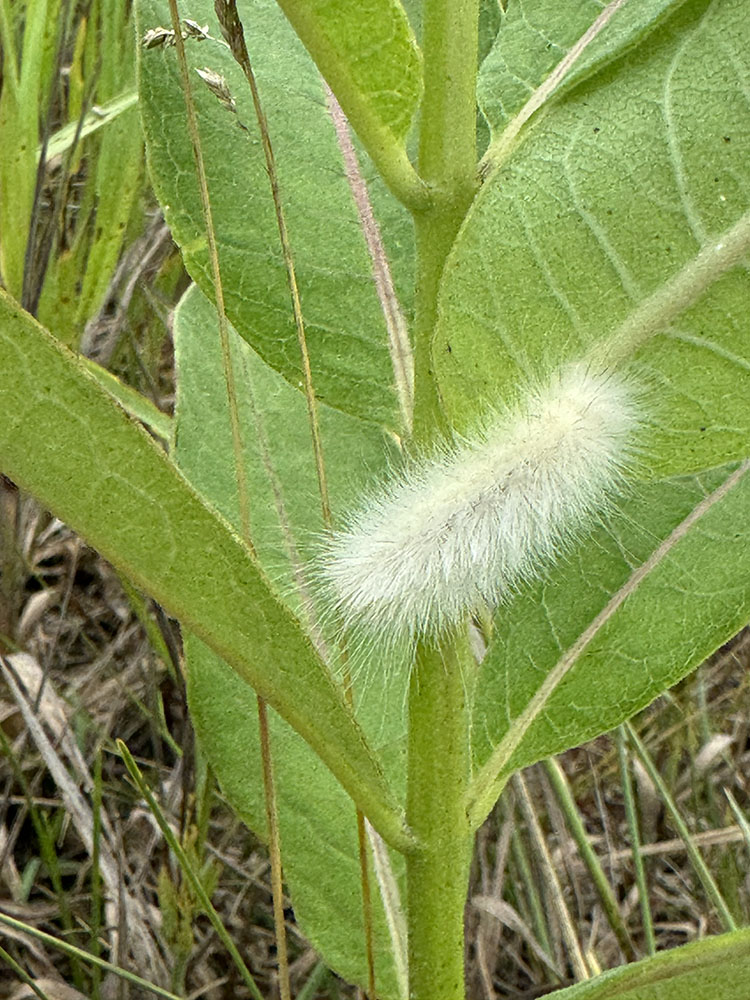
(213, 252)
(274, 850)
(231, 26)
(226, 11)
(274, 843)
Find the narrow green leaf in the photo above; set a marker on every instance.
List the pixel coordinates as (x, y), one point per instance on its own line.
(132, 401)
(718, 967)
(346, 332)
(119, 180)
(596, 231)
(63, 139)
(22, 96)
(632, 610)
(63, 439)
(58, 944)
(190, 871)
(317, 820)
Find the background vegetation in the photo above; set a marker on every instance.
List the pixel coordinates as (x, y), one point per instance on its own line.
(89, 661)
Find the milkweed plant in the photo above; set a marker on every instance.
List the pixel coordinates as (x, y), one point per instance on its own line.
(458, 471)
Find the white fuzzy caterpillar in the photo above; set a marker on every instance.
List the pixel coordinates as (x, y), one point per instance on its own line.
(463, 528)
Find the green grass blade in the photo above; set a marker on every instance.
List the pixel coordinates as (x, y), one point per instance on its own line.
(22, 974)
(83, 956)
(61, 141)
(635, 840)
(741, 818)
(700, 866)
(573, 818)
(190, 872)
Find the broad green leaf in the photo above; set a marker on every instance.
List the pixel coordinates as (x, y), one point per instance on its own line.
(536, 35)
(621, 215)
(317, 818)
(63, 439)
(285, 509)
(634, 608)
(718, 967)
(368, 55)
(346, 332)
(490, 22)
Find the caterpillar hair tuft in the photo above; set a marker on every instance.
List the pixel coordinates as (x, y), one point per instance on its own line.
(464, 527)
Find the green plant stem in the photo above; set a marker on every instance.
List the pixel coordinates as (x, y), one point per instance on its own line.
(435, 232)
(438, 767)
(447, 135)
(438, 772)
(447, 163)
(386, 150)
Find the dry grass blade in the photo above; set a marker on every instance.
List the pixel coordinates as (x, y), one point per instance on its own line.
(510, 918)
(561, 787)
(52, 989)
(572, 943)
(394, 911)
(492, 875)
(701, 869)
(140, 939)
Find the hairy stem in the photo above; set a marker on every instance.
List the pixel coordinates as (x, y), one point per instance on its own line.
(447, 163)
(438, 775)
(438, 750)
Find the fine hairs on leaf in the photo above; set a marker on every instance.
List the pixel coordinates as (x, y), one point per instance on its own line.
(464, 527)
